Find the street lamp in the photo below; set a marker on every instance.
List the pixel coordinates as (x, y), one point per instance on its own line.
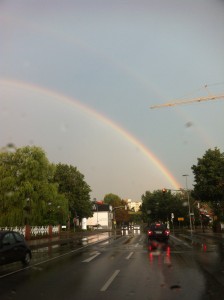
(188, 200)
(97, 210)
(49, 212)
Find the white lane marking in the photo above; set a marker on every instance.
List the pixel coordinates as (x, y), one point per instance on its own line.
(91, 258)
(49, 260)
(109, 281)
(129, 255)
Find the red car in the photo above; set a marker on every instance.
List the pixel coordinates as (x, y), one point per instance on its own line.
(158, 232)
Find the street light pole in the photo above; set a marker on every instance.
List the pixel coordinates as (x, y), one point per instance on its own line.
(96, 206)
(188, 200)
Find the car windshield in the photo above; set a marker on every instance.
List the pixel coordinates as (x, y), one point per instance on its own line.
(112, 149)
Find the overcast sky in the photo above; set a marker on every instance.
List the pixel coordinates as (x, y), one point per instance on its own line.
(77, 78)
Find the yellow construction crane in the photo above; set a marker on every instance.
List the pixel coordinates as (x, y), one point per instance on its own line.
(200, 99)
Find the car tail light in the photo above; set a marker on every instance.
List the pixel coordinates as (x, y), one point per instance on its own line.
(150, 232)
(167, 232)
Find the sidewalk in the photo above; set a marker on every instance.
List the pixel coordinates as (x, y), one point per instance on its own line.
(198, 234)
(64, 238)
(209, 232)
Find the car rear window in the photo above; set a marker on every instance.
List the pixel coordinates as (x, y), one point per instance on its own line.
(158, 227)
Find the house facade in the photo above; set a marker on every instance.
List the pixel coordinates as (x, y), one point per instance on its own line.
(134, 205)
(102, 216)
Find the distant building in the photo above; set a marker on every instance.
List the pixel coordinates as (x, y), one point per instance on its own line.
(102, 216)
(134, 205)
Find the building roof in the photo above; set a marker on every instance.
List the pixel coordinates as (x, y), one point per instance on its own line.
(101, 207)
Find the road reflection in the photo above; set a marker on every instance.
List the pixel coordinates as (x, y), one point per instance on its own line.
(62, 248)
(159, 252)
(54, 251)
(125, 232)
(94, 238)
(131, 231)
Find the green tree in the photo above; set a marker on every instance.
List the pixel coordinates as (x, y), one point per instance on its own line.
(26, 187)
(72, 184)
(112, 199)
(209, 180)
(158, 206)
(209, 176)
(135, 217)
(120, 209)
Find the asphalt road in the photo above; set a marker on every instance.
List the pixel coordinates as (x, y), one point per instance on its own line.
(121, 267)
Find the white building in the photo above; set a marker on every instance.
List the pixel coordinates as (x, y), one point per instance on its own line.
(102, 216)
(134, 205)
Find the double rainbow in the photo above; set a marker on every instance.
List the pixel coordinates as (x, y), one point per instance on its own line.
(15, 84)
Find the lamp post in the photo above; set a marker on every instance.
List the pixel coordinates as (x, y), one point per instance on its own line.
(49, 212)
(188, 200)
(97, 210)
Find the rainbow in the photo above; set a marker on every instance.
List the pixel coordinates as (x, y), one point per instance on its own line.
(88, 110)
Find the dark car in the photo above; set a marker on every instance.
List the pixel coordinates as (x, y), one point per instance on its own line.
(96, 227)
(124, 227)
(137, 227)
(13, 247)
(158, 232)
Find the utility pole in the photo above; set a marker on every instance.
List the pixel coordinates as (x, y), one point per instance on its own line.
(188, 200)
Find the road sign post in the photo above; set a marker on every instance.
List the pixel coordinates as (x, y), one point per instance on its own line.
(172, 217)
(180, 219)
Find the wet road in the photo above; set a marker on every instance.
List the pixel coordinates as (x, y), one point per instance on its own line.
(121, 267)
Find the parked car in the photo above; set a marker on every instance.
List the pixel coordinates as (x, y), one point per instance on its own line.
(96, 227)
(158, 232)
(124, 227)
(13, 247)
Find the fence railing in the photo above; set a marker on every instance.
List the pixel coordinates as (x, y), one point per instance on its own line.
(30, 232)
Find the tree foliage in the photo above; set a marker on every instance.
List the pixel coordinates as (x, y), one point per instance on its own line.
(72, 184)
(209, 176)
(27, 191)
(120, 213)
(112, 199)
(158, 206)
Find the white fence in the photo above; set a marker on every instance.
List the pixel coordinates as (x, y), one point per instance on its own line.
(34, 231)
(21, 230)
